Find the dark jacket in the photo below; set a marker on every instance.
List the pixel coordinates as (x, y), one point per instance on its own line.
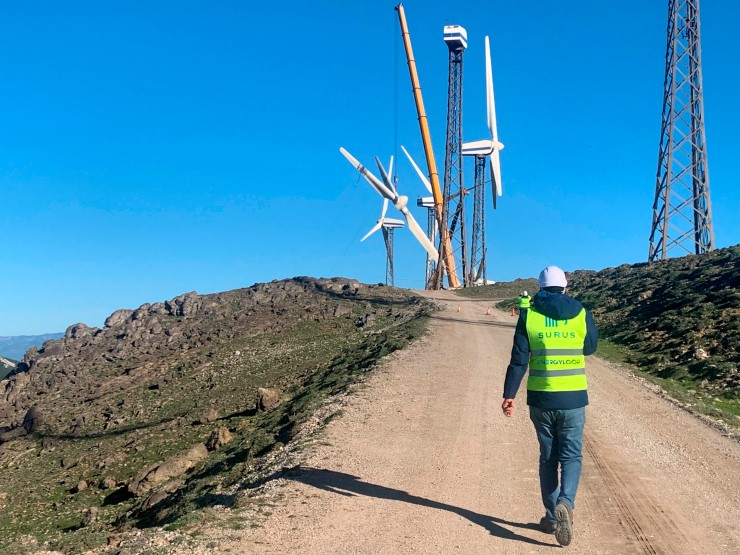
(559, 307)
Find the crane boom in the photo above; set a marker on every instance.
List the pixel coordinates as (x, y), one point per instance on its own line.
(445, 249)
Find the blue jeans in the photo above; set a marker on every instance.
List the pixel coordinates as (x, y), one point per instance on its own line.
(560, 433)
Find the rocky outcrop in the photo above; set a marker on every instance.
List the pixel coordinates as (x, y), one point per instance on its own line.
(137, 347)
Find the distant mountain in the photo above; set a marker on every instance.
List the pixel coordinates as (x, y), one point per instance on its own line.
(15, 346)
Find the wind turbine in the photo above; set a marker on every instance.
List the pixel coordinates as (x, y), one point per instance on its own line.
(480, 150)
(489, 147)
(386, 190)
(388, 225)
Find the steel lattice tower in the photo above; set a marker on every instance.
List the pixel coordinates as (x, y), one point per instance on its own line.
(431, 265)
(682, 211)
(478, 243)
(388, 238)
(454, 191)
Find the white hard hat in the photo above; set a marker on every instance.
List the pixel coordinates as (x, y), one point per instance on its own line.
(524, 293)
(552, 276)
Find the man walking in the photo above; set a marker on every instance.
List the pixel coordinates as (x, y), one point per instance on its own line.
(552, 339)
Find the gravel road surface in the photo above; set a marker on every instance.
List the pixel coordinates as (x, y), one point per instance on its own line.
(422, 460)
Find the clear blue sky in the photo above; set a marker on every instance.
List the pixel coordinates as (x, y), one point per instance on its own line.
(153, 148)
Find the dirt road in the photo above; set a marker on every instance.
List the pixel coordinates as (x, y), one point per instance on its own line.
(423, 461)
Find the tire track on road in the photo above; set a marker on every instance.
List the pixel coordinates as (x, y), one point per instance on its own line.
(651, 530)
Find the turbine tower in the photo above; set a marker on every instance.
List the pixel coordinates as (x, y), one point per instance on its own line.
(478, 242)
(388, 225)
(388, 238)
(428, 203)
(454, 192)
(682, 211)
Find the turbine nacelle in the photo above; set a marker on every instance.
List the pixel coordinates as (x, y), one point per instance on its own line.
(425, 202)
(392, 223)
(481, 148)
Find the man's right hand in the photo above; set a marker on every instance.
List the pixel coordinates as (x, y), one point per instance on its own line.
(508, 407)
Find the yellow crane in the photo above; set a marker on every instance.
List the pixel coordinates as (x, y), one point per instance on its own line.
(445, 249)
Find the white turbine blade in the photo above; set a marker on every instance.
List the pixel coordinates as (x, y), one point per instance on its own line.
(374, 181)
(390, 168)
(423, 177)
(375, 228)
(496, 171)
(384, 175)
(419, 234)
(385, 208)
(490, 104)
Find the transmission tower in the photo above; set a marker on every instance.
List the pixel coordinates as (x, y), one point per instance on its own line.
(682, 211)
(456, 38)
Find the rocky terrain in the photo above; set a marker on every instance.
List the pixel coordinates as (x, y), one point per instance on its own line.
(169, 407)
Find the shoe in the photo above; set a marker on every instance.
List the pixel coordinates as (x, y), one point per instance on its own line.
(547, 526)
(564, 524)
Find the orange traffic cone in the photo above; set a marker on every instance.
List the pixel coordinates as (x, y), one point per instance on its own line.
(512, 312)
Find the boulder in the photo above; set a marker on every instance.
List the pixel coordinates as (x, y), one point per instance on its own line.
(267, 398)
(184, 305)
(118, 317)
(160, 494)
(77, 330)
(33, 419)
(219, 437)
(90, 517)
(108, 483)
(14, 386)
(211, 415)
(12, 434)
(175, 466)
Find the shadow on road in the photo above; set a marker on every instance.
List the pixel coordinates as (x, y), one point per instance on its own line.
(348, 485)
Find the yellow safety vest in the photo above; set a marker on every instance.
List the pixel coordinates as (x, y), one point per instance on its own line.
(524, 302)
(556, 361)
